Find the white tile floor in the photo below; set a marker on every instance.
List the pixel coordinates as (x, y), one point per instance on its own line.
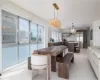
(80, 70)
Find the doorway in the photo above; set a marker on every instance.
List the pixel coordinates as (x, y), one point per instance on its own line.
(80, 38)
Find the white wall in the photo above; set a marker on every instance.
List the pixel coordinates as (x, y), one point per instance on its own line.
(70, 38)
(96, 34)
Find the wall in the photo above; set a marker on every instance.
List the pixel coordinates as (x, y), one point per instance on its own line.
(96, 34)
(70, 38)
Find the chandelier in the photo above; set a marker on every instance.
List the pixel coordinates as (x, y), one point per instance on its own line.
(73, 31)
(55, 21)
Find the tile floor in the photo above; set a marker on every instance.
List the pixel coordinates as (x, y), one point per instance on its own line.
(80, 70)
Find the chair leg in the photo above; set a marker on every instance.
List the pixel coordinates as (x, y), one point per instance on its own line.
(35, 74)
(47, 73)
(32, 74)
(50, 71)
(37, 71)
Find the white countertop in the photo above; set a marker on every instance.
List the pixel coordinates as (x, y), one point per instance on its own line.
(95, 51)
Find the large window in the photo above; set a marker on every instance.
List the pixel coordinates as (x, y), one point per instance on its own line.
(9, 26)
(27, 36)
(23, 30)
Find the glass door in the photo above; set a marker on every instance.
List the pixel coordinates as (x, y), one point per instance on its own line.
(20, 37)
(33, 37)
(9, 39)
(23, 36)
(40, 37)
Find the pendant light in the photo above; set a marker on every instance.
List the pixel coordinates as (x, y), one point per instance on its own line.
(55, 21)
(73, 31)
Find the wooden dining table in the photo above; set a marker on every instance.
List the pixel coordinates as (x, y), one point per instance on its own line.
(53, 51)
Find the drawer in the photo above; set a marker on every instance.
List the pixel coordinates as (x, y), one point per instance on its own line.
(94, 68)
(90, 56)
(95, 60)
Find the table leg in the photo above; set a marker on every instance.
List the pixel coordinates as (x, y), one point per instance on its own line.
(64, 52)
(53, 63)
(29, 63)
(72, 60)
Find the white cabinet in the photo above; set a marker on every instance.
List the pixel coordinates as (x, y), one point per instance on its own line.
(94, 59)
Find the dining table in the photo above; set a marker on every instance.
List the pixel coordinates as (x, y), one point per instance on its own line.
(53, 51)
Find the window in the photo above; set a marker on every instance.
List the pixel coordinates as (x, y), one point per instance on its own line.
(23, 30)
(60, 36)
(33, 32)
(19, 31)
(57, 36)
(9, 26)
(57, 33)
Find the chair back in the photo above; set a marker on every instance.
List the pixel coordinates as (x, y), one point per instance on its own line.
(39, 60)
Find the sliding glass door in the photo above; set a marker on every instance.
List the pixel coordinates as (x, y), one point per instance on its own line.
(23, 48)
(40, 37)
(20, 37)
(33, 37)
(9, 39)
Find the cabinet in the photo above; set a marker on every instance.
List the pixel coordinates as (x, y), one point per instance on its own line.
(94, 59)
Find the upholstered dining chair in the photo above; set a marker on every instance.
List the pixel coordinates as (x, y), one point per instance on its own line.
(39, 62)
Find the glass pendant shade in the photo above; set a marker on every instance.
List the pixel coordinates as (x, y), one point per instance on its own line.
(55, 22)
(73, 31)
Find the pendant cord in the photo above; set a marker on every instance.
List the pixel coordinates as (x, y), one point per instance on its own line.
(54, 13)
(57, 14)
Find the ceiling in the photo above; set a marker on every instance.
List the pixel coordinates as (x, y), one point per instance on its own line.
(79, 12)
(2, 2)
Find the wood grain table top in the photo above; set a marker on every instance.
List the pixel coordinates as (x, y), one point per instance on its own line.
(53, 50)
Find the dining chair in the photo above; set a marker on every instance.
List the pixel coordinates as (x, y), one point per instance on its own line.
(41, 62)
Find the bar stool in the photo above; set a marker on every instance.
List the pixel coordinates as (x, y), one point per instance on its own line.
(39, 62)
